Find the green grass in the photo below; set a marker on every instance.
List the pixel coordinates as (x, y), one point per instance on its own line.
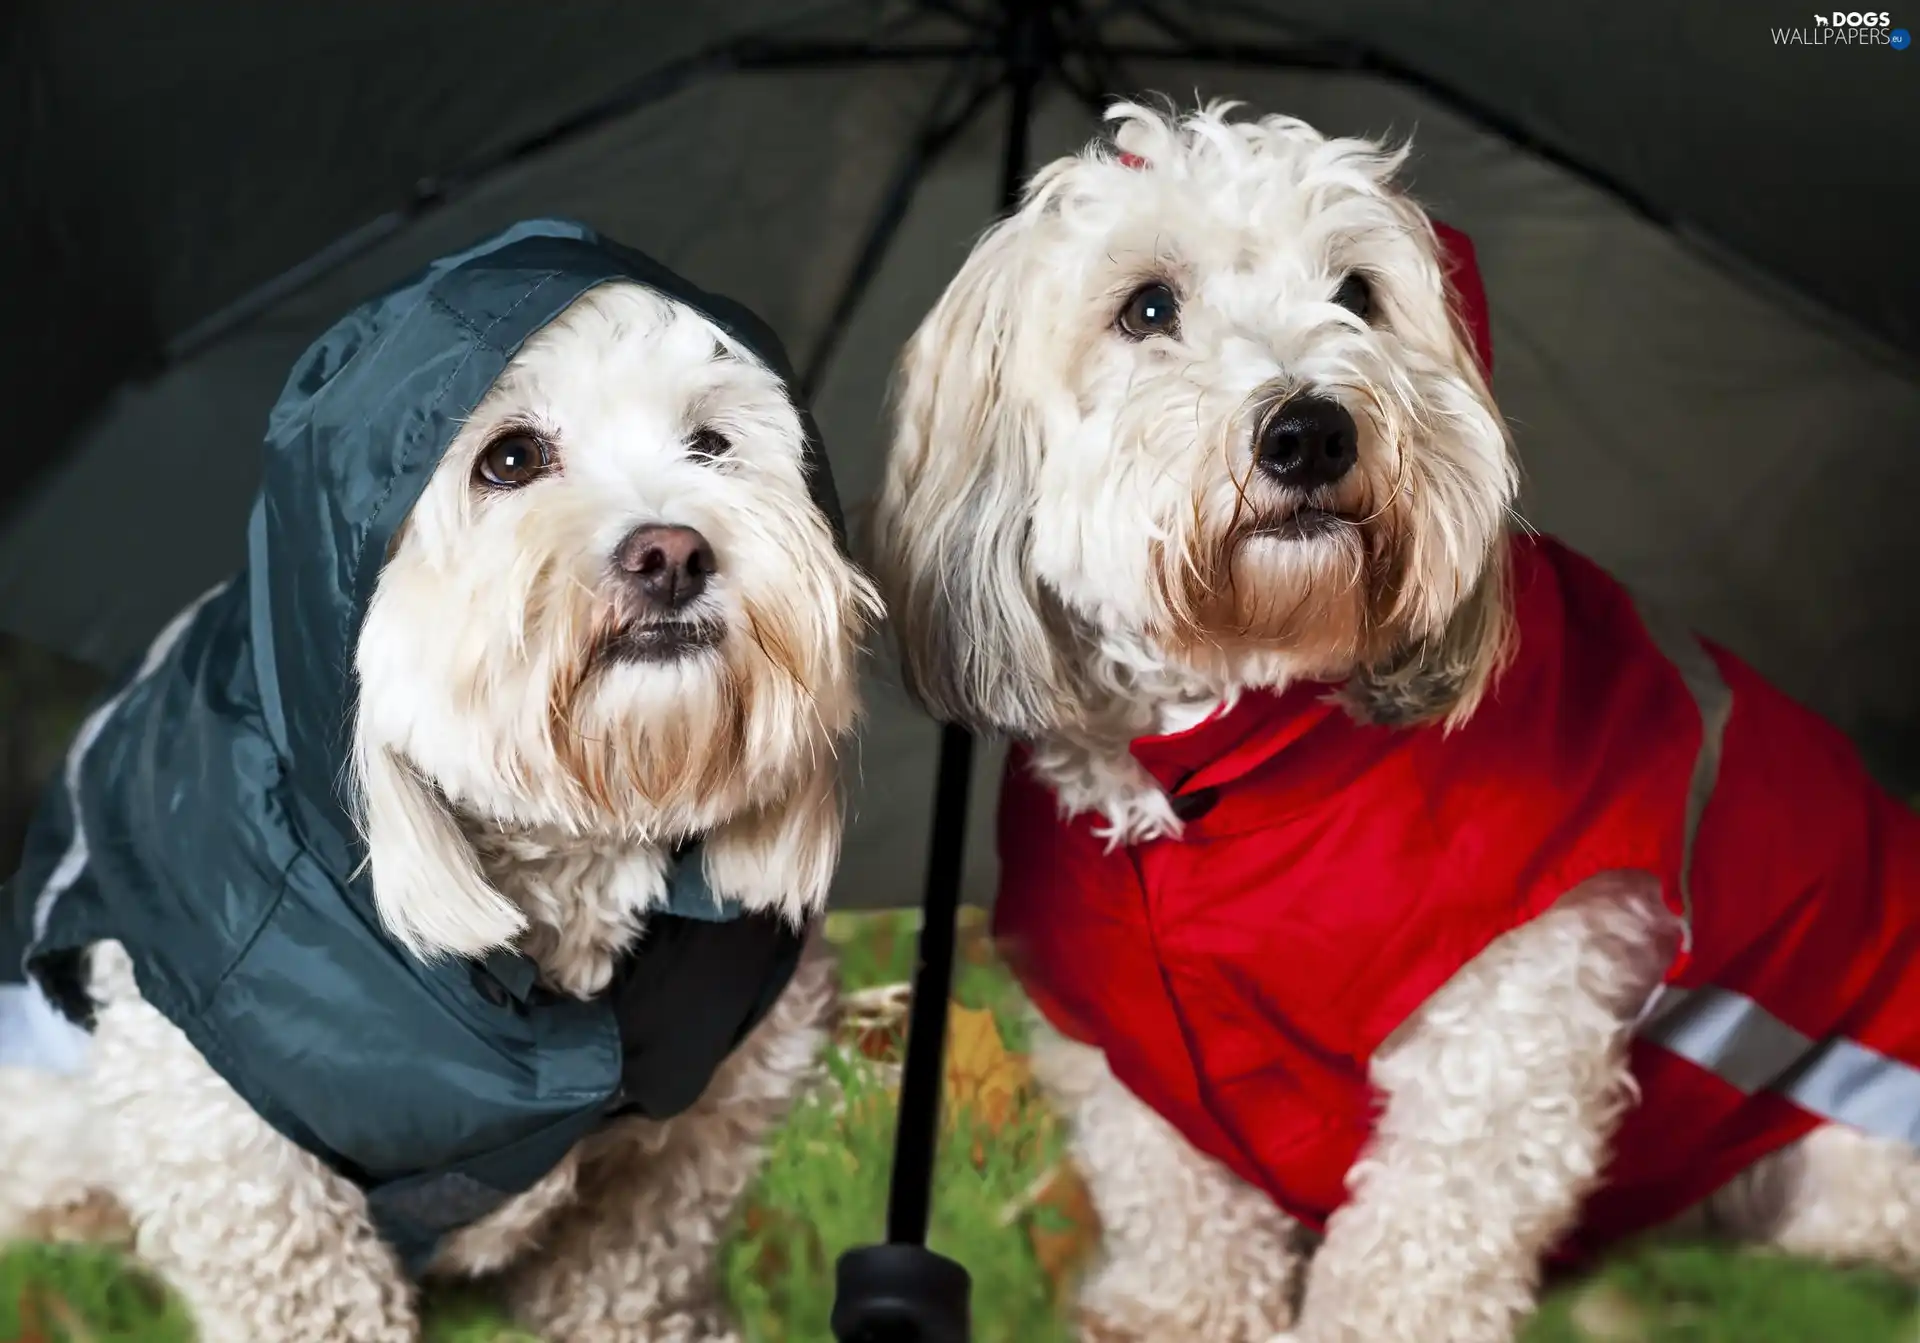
(824, 1192)
(824, 1189)
(116, 1305)
(1675, 1293)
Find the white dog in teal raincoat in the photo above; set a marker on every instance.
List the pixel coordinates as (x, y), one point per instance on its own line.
(433, 899)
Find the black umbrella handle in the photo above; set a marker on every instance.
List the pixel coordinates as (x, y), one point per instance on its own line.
(902, 1292)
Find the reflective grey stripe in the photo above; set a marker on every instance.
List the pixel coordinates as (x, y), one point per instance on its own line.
(1728, 1033)
(1748, 1047)
(1860, 1087)
(1714, 699)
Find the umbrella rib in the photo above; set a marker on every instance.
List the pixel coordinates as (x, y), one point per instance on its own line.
(1160, 19)
(1349, 58)
(1092, 94)
(1355, 58)
(938, 129)
(431, 193)
(760, 54)
(1104, 72)
(958, 13)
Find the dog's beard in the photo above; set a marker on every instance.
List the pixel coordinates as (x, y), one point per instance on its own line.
(671, 723)
(1324, 601)
(1319, 579)
(669, 733)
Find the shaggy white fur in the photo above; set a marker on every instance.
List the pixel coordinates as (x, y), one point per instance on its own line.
(520, 780)
(1189, 1249)
(1099, 521)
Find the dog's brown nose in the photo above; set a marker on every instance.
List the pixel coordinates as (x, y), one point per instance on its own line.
(667, 566)
(1309, 442)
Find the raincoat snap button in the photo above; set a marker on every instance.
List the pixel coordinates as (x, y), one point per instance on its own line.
(1192, 806)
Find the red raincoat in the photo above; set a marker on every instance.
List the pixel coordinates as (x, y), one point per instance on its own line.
(1331, 876)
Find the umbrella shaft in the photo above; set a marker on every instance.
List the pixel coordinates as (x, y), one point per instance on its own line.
(917, 1131)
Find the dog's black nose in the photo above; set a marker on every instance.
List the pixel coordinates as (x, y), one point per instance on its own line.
(667, 566)
(1308, 442)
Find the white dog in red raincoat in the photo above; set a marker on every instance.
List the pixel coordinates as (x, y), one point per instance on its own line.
(1383, 874)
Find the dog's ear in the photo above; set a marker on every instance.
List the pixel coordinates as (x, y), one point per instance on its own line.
(980, 641)
(427, 883)
(1443, 668)
(1442, 677)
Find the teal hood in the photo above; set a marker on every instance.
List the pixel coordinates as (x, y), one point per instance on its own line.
(358, 429)
(200, 820)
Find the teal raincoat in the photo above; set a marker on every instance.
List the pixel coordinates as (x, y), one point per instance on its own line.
(200, 819)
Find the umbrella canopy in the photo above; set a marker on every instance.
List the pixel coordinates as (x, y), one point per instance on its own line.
(1694, 231)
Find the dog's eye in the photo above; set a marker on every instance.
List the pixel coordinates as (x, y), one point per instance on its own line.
(512, 460)
(709, 443)
(1152, 310)
(1356, 296)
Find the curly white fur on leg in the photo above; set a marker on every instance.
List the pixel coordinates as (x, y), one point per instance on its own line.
(1839, 1196)
(48, 1161)
(1502, 1096)
(1189, 1251)
(257, 1236)
(636, 1260)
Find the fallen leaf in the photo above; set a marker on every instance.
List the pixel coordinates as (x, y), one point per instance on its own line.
(876, 1005)
(887, 1044)
(873, 1022)
(976, 937)
(981, 1075)
(769, 1258)
(1062, 1226)
(775, 1233)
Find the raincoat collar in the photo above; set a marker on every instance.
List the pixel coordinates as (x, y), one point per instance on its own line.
(1236, 738)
